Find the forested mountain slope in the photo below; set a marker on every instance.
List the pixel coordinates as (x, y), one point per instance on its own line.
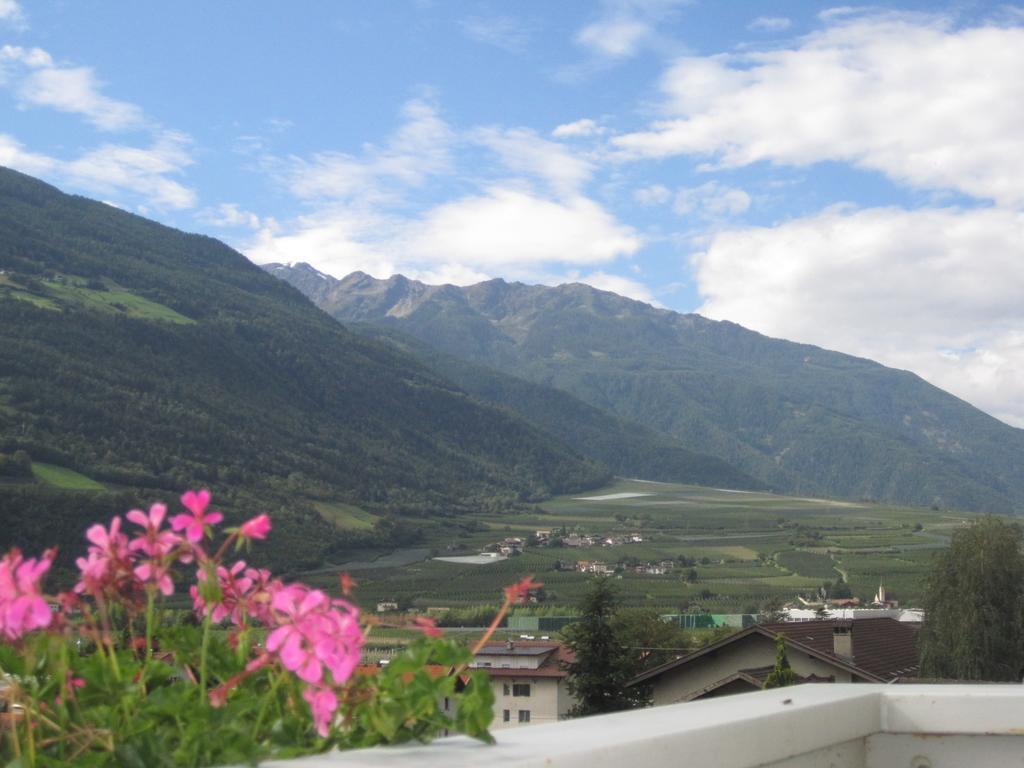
(148, 358)
(801, 418)
(628, 449)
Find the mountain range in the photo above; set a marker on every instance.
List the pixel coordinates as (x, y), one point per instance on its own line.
(151, 361)
(793, 417)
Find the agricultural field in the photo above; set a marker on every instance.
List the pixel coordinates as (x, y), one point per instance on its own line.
(62, 477)
(732, 551)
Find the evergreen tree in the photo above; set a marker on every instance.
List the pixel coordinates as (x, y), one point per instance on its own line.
(783, 674)
(603, 666)
(974, 605)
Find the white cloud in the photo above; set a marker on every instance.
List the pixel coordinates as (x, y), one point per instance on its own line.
(11, 12)
(911, 97)
(504, 231)
(617, 38)
(230, 215)
(770, 24)
(579, 128)
(935, 291)
(527, 215)
(626, 26)
(503, 32)
(623, 286)
(115, 168)
(510, 227)
(14, 155)
(656, 194)
(42, 83)
(419, 149)
(337, 242)
(523, 151)
(711, 200)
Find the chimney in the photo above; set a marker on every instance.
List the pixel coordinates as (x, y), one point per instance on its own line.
(842, 640)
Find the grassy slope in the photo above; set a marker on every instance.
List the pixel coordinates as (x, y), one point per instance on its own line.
(62, 477)
(189, 366)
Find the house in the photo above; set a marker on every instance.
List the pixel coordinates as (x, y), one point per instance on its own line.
(528, 681)
(878, 650)
(594, 566)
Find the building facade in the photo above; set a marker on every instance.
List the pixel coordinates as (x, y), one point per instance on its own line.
(528, 681)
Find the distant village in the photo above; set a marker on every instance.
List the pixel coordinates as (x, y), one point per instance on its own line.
(514, 545)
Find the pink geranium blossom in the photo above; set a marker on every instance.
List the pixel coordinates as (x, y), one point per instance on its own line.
(153, 572)
(195, 525)
(324, 703)
(152, 542)
(256, 528)
(315, 632)
(107, 561)
(158, 545)
(22, 606)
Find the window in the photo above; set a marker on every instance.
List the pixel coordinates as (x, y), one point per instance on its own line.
(504, 689)
(520, 689)
(506, 715)
(524, 715)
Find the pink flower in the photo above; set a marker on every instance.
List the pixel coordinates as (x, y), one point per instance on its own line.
(323, 703)
(427, 626)
(153, 542)
(22, 606)
(159, 546)
(315, 632)
(235, 587)
(257, 528)
(195, 525)
(153, 572)
(520, 591)
(107, 560)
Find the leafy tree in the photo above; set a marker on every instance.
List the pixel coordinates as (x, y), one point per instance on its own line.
(840, 590)
(649, 640)
(602, 667)
(974, 605)
(783, 674)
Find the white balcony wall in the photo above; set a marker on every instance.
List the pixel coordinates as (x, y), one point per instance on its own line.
(833, 726)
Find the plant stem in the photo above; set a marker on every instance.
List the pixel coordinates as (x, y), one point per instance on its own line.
(271, 694)
(204, 652)
(150, 610)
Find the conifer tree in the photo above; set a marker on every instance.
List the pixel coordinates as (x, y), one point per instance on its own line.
(783, 674)
(603, 667)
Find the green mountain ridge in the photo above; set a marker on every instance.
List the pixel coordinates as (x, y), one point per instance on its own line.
(797, 417)
(628, 449)
(153, 360)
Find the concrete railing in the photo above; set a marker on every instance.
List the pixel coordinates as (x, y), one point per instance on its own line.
(836, 725)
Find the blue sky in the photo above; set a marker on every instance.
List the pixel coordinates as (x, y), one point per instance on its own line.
(845, 176)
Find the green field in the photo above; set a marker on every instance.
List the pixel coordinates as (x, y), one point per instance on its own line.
(113, 298)
(744, 548)
(105, 296)
(62, 477)
(346, 516)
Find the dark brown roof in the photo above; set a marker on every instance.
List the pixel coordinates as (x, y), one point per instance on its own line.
(552, 666)
(883, 649)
